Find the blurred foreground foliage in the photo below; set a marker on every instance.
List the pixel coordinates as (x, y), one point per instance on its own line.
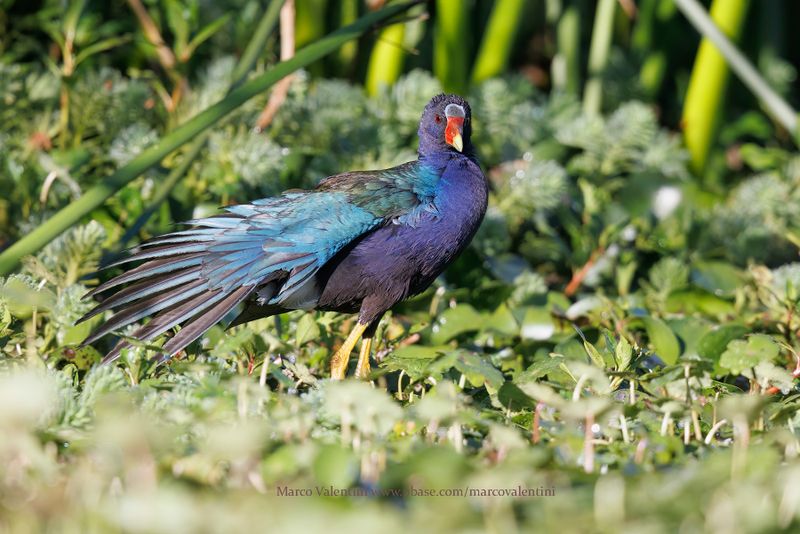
(619, 333)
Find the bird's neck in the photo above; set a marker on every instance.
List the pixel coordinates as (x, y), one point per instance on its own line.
(439, 159)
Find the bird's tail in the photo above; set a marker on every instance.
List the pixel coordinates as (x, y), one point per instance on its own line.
(172, 285)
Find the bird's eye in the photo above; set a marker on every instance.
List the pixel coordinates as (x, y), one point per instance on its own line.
(437, 118)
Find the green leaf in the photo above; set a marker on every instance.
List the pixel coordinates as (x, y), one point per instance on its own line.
(689, 330)
(502, 321)
(256, 44)
(713, 344)
(719, 278)
(768, 374)
(413, 359)
(230, 343)
(623, 354)
(542, 393)
(540, 368)
(513, 398)
(669, 274)
(698, 301)
(478, 370)
(450, 58)
(100, 46)
(22, 297)
(594, 354)
(419, 352)
(455, 321)
(307, 330)
(77, 333)
(762, 158)
(278, 374)
(72, 16)
(205, 33)
(537, 325)
(745, 354)
(663, 340)
(571, 348)
(178, 21)
(5, 318)
(83, 357)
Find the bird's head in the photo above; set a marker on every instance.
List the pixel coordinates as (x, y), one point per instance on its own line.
(446, 124)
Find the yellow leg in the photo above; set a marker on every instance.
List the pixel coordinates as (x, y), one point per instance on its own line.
(362, 370)
(342, 356)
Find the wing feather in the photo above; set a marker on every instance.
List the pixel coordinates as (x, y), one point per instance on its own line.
(196, 276)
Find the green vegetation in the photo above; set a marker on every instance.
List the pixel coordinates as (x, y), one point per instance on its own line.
(705, 96)
(624, 332)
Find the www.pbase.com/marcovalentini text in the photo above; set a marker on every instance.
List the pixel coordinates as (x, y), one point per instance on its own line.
(330, 491)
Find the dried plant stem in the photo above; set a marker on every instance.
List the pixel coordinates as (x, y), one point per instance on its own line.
(165, 55)
(629, 7)
(588, 445)
(48, 183)
(577, 278)
(576, 393)
(713, 430)
(741, 443)
(400, 385)
(641, 447)
(63, 117)
(623, 425)
(665, 423)
(537, 419)
(278, 96)
(698, 434)
(262, 379)
(714, 410)
(151, 33)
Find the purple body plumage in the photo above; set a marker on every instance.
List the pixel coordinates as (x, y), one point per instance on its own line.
(360, 242)
(399, 260)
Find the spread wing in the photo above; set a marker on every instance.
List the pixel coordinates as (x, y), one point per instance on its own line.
(194, 277)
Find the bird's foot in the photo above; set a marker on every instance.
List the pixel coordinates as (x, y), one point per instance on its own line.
(339, 364)
(341, 357)
(362, 369)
